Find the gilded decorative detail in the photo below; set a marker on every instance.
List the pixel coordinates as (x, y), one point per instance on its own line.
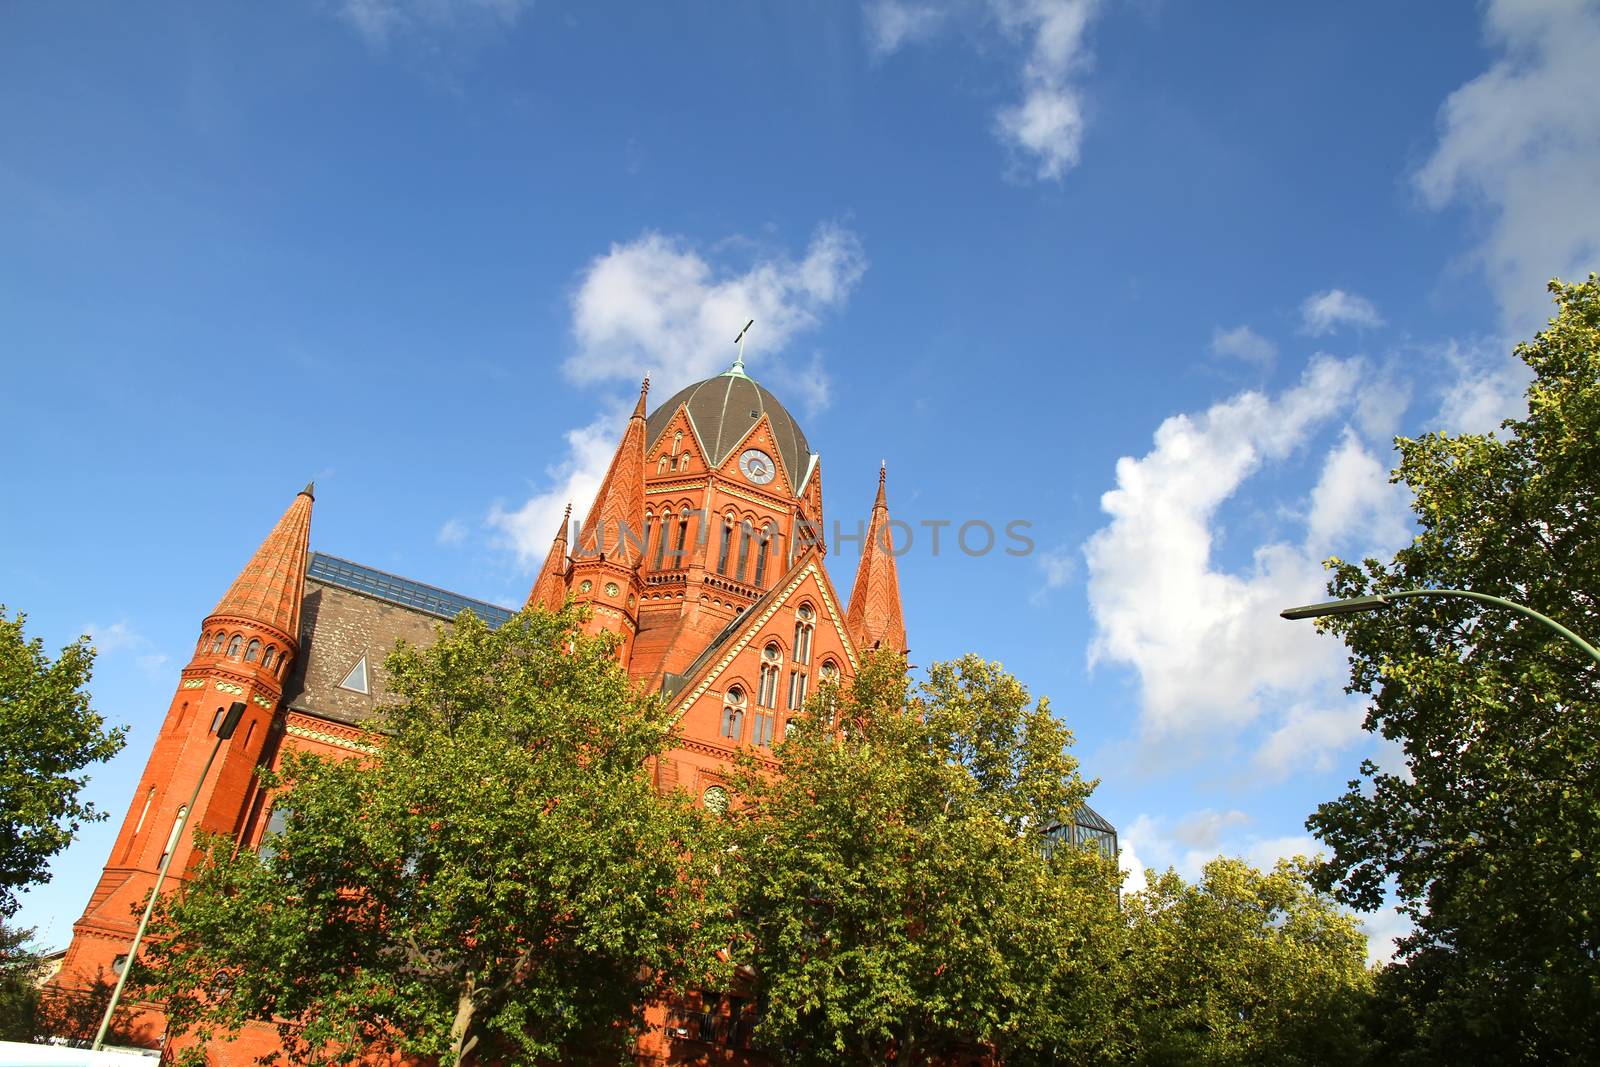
(327, 738)
(230, 688)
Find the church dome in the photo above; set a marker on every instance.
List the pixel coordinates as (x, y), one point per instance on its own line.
(722, 410)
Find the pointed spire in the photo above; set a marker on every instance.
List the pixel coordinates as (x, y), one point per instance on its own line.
(874, 617)
(310, 490)
(269, 589)
(549, 589)
(618, 510)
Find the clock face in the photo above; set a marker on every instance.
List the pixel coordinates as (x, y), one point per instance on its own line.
(757, 466)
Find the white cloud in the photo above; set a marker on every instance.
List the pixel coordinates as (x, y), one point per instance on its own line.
(120, 637)
(659, 306)
(1383, 928)
(1354, 503)
(1210, 651)
(1044, 129)
(380, 21)
(529, 529)
(1310, 737)
(1187, 844)
(1243, 343)
(1325, 312)
(1203, 830)
(1520, 143)
(453, 532)
(1487, 386)
(1058, 567)
(894, 23)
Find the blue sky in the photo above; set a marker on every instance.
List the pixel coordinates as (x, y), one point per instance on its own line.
(1160, 279)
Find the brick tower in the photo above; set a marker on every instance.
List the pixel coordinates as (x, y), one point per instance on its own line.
(245, 648)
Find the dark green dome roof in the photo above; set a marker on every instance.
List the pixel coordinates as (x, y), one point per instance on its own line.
(723, 409)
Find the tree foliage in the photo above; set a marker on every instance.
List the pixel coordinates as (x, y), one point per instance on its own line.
(1491, 833)
(19, 992)
(48, 733)
(497, 881)
(897, 899)
(1241, 968)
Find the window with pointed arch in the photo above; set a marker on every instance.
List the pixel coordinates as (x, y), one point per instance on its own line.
(805, 621)
(771, 668)
(746, 535)
(768, 531)
(683, 536)
(234, 644)
(797, 689)
(666, 533)
(644, 545)
(722, 544)
(830, 679)
(733, 714)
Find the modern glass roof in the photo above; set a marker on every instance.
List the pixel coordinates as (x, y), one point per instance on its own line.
(429, 599)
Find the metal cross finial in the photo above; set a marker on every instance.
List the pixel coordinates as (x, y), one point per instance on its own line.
(738, 363)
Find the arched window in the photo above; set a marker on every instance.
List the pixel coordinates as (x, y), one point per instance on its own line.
(252, 650)
(283, 663)
(661, 542)
(804, 623)
(683, 537)
(733, 714)
(644, 545)
(201, 647)
(661, 465)
(216, 642)
(268, 656)
(771, 667)
(233, 646)
(767, 534)
(745, 534)
(722, 545)
(677, 441)
(797, 690)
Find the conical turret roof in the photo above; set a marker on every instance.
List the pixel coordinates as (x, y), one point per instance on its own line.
(270, 587)
(619, 505)
(549, 589)
(874, 617)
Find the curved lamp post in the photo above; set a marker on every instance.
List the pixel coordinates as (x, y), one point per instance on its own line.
(1375, 603)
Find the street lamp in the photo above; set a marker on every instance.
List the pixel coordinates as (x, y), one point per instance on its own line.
(1353, 605)
(225, 722)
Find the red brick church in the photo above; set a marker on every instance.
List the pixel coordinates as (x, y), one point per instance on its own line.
(703, 552)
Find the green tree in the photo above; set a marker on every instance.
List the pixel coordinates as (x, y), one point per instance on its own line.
(19, 990)
(48, 733)
(1243, 968)
(898, 901)
(1491, 833)
(498, 880)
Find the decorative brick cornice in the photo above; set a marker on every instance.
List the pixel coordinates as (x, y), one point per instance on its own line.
(339, 735)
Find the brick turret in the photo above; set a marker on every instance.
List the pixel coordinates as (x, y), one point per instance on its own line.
(243, 654)
(605, 565)
(550, 588)
(874, 617)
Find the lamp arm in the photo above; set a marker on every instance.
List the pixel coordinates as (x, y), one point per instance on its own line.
(1501, 602)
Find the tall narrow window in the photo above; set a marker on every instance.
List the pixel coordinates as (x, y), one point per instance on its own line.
(744, 549)
(797, 690)
(733, 714)
(661, 465)
(683, 537)
(666, 530)
(761, 556)
(268, 656)
(771, 667)
(761, 727)
(233, 646)
(177, 829)
(644, 545)
(216, 643)
(722, 548)
(803, 626)
(252, 650)
(278, 822)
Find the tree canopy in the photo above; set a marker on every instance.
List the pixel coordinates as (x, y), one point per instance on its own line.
(48, 734)
(1490, 834)
(897, 894)
(497, 879)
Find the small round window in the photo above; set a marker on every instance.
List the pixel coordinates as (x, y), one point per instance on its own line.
(611, 589)
(715, 799)
(805, 613)
(585, 586)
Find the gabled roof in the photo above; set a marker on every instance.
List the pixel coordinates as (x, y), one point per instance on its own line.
(685, 689)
